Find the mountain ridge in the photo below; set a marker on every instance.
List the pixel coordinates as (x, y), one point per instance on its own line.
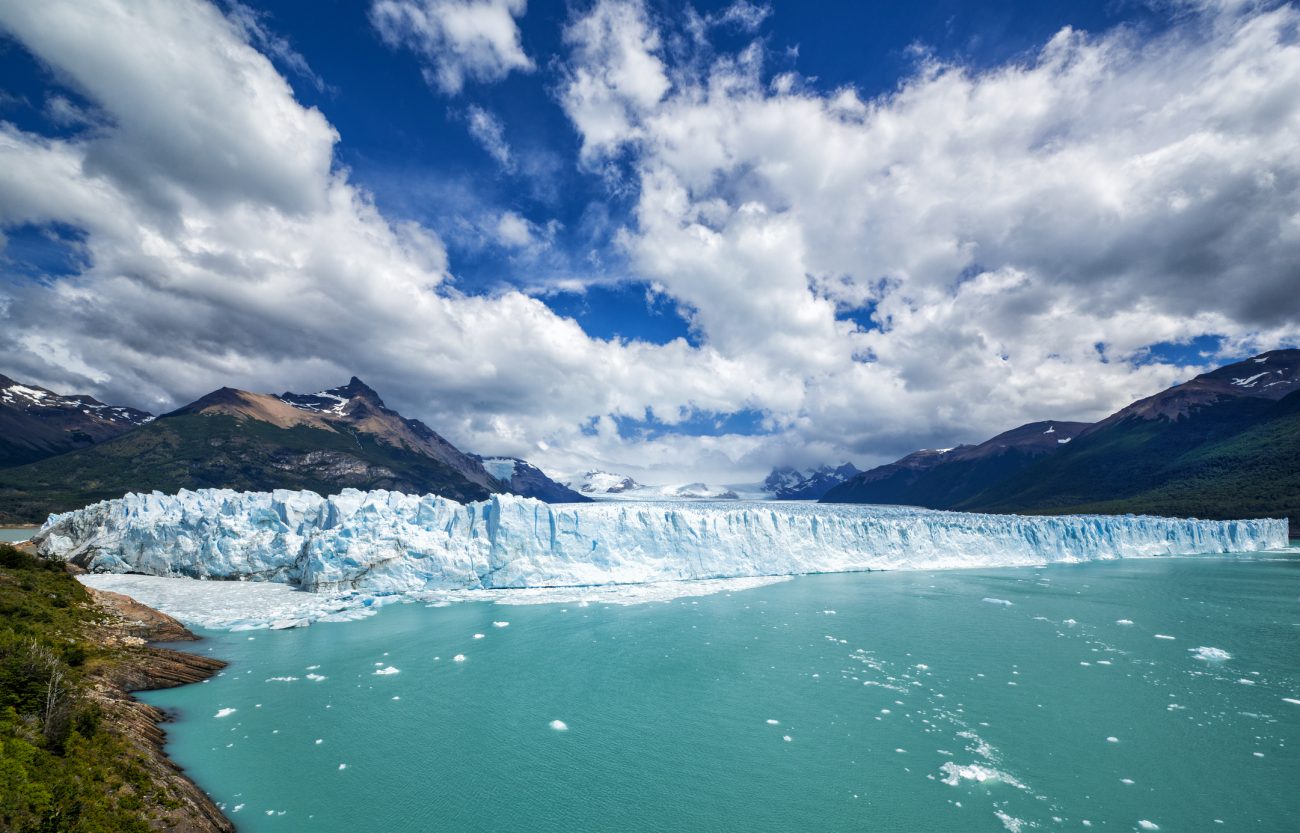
(36, 423)
(1224, 444)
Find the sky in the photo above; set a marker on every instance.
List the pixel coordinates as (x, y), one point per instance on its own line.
(677, 241)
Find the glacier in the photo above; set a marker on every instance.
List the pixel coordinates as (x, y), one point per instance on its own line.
(386, 542)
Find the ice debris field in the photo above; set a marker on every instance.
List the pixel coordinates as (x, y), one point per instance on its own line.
(354, 548)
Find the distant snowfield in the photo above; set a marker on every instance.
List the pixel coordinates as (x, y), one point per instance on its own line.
(357, 549)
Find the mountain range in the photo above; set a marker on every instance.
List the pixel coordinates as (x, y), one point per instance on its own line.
(608, 486)
(786, 483)
(36, 423)
(1225, 444)
(325, 441)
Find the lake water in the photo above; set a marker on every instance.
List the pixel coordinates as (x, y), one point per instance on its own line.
(15, 535)
(1067, 697)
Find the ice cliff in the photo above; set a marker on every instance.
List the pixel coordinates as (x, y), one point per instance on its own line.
(390, 542)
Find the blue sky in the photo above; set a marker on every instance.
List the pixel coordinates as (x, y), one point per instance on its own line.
(680, 241)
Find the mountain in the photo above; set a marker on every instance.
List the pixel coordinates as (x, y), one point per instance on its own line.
(523, 478)
(604, 485)
(786, 483)
(1225, 444)
(325, 441)
(36, 423)
(944, 478)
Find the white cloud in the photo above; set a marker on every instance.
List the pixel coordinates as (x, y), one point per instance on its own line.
(223, 248)
(991, 227)
(994, 226)
(253, 24)
(488, 132)
(615, 74)
(460, 40)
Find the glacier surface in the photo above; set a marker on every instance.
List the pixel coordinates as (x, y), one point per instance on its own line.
(387, 542)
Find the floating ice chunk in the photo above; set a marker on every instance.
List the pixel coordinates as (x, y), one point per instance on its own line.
(238, 807)
(786, 738)
(319, 741)
(225, 712)
(1128, 782)
(1112, 739)
(994, 601)
(316, 678)
(954, 774)
(500, 624)
(1291, 700)
(829, 612)
(458, 658)
(771, 722)
(478, 636)
(282, 679)
(1210, 654)
(1123, 621)
(384, 672)
(559, 725)
(1148, 825)
(343, 766)
(1165, 636)
(1010, 822)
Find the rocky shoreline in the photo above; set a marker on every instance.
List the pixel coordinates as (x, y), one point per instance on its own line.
(129, 627)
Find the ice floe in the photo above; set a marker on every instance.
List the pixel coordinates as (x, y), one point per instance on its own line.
(1210, 654)
(954, 774)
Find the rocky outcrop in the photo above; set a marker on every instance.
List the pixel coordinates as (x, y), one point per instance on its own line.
(129, 626)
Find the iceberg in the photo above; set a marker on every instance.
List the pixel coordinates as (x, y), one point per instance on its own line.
(388, 542)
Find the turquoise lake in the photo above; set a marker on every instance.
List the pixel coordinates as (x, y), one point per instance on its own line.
(997, 699)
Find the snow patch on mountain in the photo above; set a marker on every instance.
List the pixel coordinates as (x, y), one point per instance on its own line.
(788, 483)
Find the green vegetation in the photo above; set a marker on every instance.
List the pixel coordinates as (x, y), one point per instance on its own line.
(196, 451)
(1233, 460)
(62, 767)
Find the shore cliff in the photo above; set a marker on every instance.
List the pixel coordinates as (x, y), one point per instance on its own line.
(77, 750)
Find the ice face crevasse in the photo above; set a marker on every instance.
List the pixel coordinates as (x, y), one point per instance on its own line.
(391, 542)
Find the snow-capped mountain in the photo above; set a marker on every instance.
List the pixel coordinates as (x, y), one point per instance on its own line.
(786, 483)
(521, 477)
(36, 423)
(603, 485)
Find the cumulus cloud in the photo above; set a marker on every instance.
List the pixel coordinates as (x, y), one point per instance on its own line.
(976, 249)
(223, 247)
(459, 40)
(615, 75)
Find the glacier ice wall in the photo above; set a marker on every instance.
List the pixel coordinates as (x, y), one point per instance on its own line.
(391, 542)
